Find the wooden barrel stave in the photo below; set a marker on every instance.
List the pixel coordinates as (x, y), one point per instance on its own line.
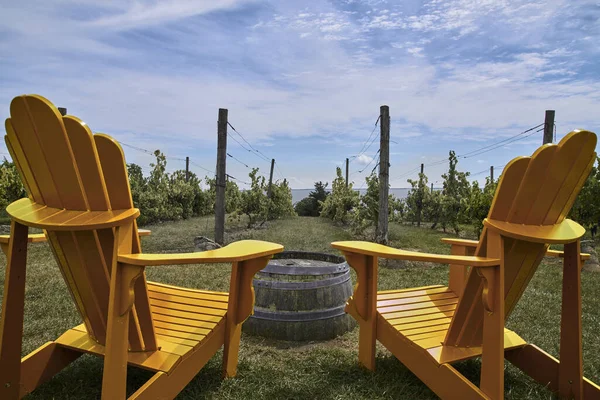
(302, 302)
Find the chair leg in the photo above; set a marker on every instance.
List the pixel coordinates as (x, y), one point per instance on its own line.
(492, 354)
(231, 348)
(42, 364)
(239, 307)
(363, 305)
(543, 368)
(233, 328)
(13, 302)
(570, 371)
(114, 378)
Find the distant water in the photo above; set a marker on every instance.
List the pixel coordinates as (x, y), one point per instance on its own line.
(299, 194)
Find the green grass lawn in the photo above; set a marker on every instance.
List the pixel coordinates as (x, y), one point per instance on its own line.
(288, 370)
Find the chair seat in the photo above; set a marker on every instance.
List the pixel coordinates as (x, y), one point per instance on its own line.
(184, 319)
(422, 315)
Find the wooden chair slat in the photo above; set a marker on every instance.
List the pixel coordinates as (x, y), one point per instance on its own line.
(88, 164)
(73, 265)
(422, 323)
(431, 341)
(187, 300)
(424, 329)
(182, 322)
(16, 153)
(427, 335)
(402, 295)
(571, 159)
(565, 197)
(186, 292)
(179, 334)
(94, 265)
(422, 304)
(187, 307)
(185, 315)
(119, 193)
(507, 189)
(531, 183)
(115, 172)
(31, 158)
(175, 340)
(417, 299)
(418, 318)
(45, 136)
(450, 308)
(386, 292)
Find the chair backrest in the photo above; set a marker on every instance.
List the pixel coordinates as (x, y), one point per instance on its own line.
(63, 165)
(536, 190)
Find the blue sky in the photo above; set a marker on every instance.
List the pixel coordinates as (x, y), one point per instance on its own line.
(303, 80)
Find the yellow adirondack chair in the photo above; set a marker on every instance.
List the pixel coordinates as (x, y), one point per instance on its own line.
(79, 195)
(429, 328)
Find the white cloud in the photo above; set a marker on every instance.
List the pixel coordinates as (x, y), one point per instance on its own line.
(415, 51)
(145, 13)
(364, 159)
(296, 72)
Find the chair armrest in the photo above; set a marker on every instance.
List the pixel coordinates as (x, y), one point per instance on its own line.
(474, 243)
(378, 250)
(461, 242)
(29, 213)
(561, 254)
(40, 237)
(31, 238)
(238, 251)
(566, 231)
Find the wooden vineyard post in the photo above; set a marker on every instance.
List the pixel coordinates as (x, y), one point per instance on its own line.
(187, 169)
(270, 190)
(384, 175)
(347, 169)
(421, 194)
(548, 126)
(220, 178)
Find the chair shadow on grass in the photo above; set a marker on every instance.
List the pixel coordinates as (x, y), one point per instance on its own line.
(318, 370)
(83, 380)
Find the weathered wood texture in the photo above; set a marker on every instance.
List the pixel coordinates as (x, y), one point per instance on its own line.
(221, 174)
(381, 233)
(548, 126)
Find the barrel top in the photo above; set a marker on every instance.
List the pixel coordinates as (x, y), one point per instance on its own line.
(304, 263)
(309, 256)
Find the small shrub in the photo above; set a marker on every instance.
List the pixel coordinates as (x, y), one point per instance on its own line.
(366, 213)
(311, 206)
(340, 201)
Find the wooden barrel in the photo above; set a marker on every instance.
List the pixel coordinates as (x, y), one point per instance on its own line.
(301, 296)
